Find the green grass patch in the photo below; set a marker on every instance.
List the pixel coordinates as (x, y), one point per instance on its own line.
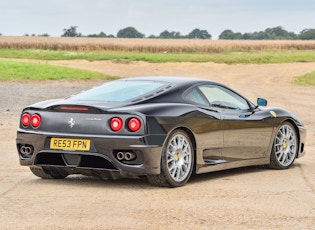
(306, 79)
(13, 70)
(240, 57)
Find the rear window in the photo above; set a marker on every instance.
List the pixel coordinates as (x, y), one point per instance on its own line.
(120, 91)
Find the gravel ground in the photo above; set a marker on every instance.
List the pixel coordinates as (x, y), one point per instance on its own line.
(245, 198)
(21, 94)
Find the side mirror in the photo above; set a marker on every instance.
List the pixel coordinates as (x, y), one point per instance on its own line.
(261, 102)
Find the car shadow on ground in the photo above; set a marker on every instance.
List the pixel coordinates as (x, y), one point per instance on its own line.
(230, 174)
(227, 174)
(92, 181)
(127, 183)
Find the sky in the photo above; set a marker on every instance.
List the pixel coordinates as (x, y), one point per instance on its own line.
(151, 17)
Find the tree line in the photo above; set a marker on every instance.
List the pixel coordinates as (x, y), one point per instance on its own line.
(275, 33)
(131, 32)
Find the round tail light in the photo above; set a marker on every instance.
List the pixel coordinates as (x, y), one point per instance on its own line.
(134, 124)
(116, 124)
(36, 120)
(26, 119)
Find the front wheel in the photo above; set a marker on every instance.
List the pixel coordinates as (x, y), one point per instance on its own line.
(177, 161)
(285, 147)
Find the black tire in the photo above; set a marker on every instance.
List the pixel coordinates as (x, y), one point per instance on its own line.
(177, 161)
(285, 147)
(47, 173)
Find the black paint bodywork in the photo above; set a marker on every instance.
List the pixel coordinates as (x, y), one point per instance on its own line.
(222, 138)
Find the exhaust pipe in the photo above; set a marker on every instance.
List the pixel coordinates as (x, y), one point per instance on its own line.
(23, 149)
(26, 150)
(129, 156)
(120, 156)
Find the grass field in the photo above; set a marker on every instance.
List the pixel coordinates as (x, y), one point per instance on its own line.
(150, 45)
(305, 80)
(245, 57)
(149, 50)
(12, 70)
(157, 50)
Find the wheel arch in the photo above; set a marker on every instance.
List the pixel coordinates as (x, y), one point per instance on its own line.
(297, 133)
(193, 142)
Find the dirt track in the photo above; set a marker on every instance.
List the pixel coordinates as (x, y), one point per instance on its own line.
(243, 198)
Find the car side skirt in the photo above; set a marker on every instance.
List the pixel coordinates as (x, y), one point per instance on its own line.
(204, 168)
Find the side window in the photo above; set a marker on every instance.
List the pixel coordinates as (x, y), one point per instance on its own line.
(196, 97)
(221, 97)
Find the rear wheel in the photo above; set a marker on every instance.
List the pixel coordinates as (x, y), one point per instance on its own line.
(177, 161)
(285, 147)
(47, 173)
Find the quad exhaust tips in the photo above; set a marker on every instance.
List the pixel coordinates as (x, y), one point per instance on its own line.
(127, 156)
(26, 150)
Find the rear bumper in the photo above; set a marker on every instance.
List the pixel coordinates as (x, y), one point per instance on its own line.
(102, 155)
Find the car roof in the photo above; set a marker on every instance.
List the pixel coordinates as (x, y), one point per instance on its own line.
(175, 87)
(179, 81)
(172, 91)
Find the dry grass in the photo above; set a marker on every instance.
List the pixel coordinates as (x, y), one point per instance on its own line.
(149, 45)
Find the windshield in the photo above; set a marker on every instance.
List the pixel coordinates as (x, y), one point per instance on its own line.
(119, 91)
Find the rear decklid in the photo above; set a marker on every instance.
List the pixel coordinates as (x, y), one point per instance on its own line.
(81, 119)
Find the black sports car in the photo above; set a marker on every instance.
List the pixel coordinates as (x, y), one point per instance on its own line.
(165, 128)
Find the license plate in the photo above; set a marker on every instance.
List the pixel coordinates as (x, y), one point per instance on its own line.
(70, 144)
